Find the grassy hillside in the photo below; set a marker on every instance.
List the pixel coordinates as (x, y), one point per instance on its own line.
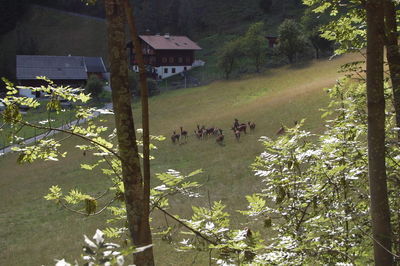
(34, 232)
(59, 33)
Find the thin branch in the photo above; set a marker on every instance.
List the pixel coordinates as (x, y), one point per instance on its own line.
(376, 241)
(110, 165)
(103, 194)
(84, 213)
(71, 133)
(197, 233)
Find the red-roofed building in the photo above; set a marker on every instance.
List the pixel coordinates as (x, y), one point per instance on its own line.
(165, 55)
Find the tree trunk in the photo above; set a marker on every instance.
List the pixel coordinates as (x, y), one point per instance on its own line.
(379, 210)
(393, 57)
(128, 150)
(146, 234)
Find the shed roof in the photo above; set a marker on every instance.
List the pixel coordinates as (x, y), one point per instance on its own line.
(169, 42)
(95, 64)
(57, 67)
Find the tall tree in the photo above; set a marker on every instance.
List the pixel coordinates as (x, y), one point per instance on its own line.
(134, 192)
(291, 41)
(146, 234)
(393, 55)
(379, 210)
(255, 45)
(228, 56)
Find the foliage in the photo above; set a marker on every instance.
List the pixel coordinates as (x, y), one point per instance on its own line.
(347, 24)
(133, 82)
(254, 44)
(100, 252)
(265, 5)
(135, 88)
(311, 24)
(291, 41)
(12, 11)
(94, 86)
(228, 56)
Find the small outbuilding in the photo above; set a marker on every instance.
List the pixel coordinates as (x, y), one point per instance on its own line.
(62, 70)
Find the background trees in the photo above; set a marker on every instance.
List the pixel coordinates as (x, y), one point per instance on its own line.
(229, 56)
(311, 24)
(291, 41)
(254, 45)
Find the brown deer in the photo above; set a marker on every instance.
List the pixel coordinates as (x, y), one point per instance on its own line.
(184, 133)
(281, 130)
(252, 125)
(242, 127)
(175, 137)
(198, 134)
(236, 132)
(220, 138)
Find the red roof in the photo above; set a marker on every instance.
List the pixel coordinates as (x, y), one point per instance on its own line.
(167, 42)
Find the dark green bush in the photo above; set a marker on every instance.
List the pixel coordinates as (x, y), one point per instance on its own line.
(94, 86)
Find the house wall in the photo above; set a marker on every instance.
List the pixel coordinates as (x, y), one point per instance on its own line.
(174, 58)
(163, 72)
(26, 93)
(168, 58)
(165, 63)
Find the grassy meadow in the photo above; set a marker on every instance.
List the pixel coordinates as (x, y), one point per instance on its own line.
(35, 232)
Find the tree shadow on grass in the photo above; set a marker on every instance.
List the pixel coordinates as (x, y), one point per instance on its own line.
(300, 65)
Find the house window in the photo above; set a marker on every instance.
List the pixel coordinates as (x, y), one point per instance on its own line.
(173, 70)
(188, 59)
(180, 60)
(171, 59)
(164, 60)
(166, 70)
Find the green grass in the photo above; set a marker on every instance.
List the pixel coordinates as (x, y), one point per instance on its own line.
(40, 114)
(34, 232)
(35, 115)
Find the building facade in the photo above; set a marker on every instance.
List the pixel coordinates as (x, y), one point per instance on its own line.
(166, 55)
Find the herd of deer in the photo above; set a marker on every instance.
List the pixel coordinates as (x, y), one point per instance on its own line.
(204, 133)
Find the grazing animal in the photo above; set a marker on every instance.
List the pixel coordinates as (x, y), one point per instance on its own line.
(236, 132)
(236, 123)
(216, 131)
(242, 127)
(281, 130)
(210, 131)
(252, 125)
(220, 138)
(184, 133)
(203, 132)
(198, 134)
(175, 137)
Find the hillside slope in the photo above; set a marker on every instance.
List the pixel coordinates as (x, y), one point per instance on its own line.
(34, 232)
